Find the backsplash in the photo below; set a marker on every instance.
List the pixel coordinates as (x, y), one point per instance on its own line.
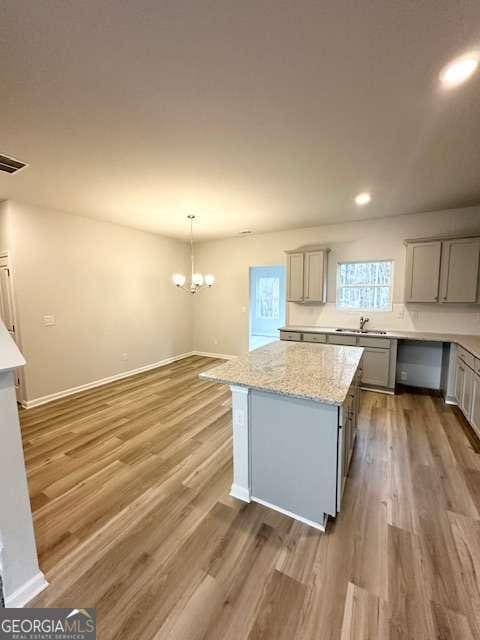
(463, 319)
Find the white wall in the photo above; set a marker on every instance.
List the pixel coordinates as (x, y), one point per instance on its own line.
(221, 314)
(110, 290)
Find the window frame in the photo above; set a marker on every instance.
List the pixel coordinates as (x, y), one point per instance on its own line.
(360, 286)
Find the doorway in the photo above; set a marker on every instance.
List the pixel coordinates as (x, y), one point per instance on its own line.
(267, 304)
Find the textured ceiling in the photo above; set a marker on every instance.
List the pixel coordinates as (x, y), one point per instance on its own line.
(257, 115)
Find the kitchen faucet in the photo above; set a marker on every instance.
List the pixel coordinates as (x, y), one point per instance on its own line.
(363, 322)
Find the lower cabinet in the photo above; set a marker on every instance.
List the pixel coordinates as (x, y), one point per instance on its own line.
(347, 432)
(475, 411)
(376, 367)
(467, 390)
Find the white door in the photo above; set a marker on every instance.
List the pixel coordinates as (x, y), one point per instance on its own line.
(7, 313)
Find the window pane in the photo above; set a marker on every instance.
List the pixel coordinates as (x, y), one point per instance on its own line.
(268, 298)
(365, 285)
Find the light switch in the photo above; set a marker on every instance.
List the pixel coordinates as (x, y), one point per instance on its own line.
(49, 321)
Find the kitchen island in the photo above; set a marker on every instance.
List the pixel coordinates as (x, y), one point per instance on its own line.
(294, 411)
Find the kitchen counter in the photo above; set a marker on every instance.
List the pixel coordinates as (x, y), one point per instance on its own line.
(468, 342)
(10, 356)
(318, 372)
(294, 420)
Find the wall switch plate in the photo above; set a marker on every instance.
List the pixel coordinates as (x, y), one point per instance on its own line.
(403, 376)
(49, 321)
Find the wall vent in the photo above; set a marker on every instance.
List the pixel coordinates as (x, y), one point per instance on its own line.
(9, 165)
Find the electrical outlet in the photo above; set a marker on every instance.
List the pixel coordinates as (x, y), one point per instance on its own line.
(215, 341)
(124, 356)
(49, 321)
(403, 376)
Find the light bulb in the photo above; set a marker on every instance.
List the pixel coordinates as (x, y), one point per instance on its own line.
(363, 198)
(209, 280)
(459, 70)
(178, 279)
(197, 279)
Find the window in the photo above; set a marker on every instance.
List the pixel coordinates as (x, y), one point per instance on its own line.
(268, 298)
(365, 286)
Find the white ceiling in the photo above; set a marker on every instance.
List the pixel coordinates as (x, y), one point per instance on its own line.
(253, 114)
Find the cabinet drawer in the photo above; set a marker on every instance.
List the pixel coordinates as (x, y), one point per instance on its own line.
(382, 343)
(467, 357)
(290, 335)
(349, 340)
(314, 337)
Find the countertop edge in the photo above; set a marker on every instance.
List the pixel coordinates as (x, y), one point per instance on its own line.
(297, 396)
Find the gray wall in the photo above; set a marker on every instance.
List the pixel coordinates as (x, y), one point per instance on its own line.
(421, 362)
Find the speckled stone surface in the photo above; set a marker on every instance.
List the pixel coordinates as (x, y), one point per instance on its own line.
(470, 343)
(318, 372)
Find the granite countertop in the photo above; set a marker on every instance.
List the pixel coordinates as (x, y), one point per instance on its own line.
(468, 342)
(318, 372)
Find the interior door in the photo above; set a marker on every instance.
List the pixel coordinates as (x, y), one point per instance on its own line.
(7, 314)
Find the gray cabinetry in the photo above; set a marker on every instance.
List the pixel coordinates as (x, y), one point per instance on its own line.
(295, 271)
(423, 271)
(442, 270)
(459, 272)
(467, 387)
(307, 275)
(315, 281)
(376, 367)
(475, 409)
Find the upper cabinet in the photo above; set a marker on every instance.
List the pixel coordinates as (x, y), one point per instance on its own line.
(459, 274)
(440, 270)
(423, 271)
(307, 275)
(295, 271)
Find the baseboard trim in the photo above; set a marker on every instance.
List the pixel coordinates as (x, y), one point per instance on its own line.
(236, 491)
(36, 402)
(208, 354)
(321, 526)
(21, 596)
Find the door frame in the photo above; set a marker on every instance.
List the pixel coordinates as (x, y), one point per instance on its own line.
(20, 381)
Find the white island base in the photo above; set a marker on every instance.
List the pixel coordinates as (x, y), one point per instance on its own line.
(292, 454)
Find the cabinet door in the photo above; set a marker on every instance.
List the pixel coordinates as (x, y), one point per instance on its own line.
(467, 393)
(315, 276)
(459, 274)
(295, 268)
(475, 414)
(423, 271)
(376, 367)
(459, 382)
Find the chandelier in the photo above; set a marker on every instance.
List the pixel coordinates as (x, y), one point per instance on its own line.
(197, 280)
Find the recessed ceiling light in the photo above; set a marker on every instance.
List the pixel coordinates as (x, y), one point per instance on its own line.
(363, 198)
(459, 70)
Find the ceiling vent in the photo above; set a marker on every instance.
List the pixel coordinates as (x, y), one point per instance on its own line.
(9, 165)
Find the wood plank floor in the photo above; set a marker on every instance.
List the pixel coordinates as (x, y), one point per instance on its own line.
(129, 487)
